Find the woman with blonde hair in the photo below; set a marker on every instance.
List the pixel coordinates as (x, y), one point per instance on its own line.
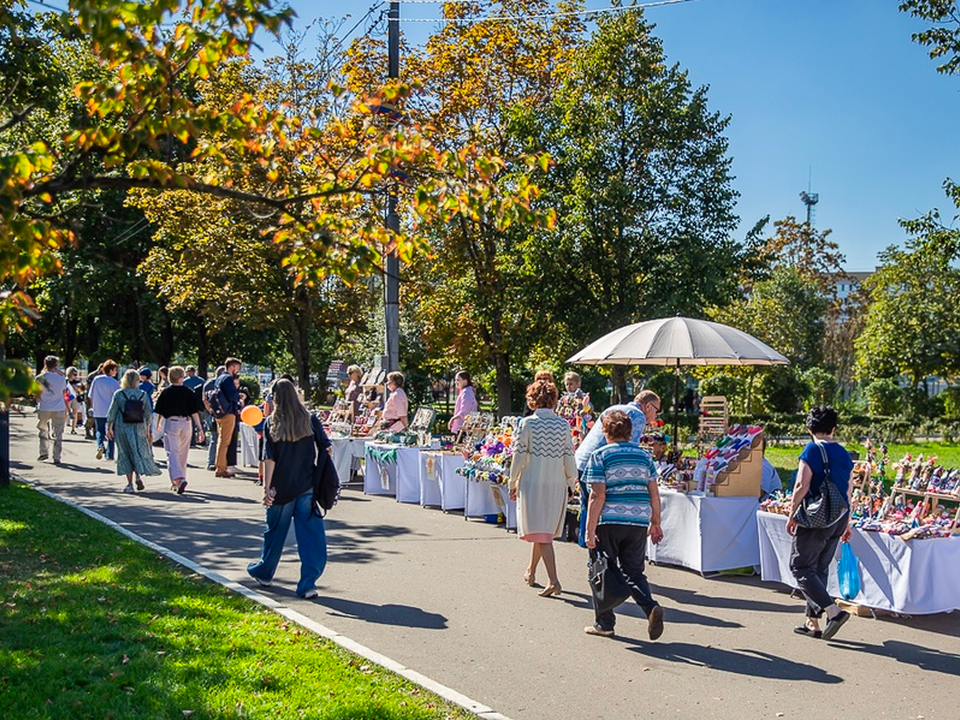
(128, 424)
(292, 442)
(542, 473)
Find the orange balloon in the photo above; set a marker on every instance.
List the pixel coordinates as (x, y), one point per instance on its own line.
(251, 415)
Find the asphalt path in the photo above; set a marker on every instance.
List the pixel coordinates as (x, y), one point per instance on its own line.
(446, 597)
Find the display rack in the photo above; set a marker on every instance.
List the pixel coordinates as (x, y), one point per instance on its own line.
(925, 503)
(714, 417)
(742, 476)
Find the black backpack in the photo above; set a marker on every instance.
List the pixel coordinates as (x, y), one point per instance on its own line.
(326, 482)
(215, 399)
(133, 410)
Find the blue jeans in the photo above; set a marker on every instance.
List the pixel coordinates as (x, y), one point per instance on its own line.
(102, 441)
(212, 449)
(311, 542)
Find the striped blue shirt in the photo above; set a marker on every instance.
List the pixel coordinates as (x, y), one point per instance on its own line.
(626, 469)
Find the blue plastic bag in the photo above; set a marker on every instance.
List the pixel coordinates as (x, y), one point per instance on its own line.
(848, 572)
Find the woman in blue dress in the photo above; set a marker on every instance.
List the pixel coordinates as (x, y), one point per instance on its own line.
(134, 442)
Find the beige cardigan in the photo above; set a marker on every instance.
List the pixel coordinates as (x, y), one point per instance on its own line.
(541, 471)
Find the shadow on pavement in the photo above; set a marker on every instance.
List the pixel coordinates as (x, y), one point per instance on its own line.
(673, 615)
(401, 615)
(907, 653)
(692, 597)
(740, 662)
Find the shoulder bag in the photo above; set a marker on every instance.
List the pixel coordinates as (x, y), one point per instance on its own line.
(326, 482)
(826, 508)
(607, 583)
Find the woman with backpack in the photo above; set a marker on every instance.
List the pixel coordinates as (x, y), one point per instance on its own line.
(128, 424)
(293, 441)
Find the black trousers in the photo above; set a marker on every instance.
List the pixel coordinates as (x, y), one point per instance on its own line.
(810, 556)
(627, 546)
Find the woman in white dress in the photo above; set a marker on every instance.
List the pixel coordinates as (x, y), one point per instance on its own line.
(542, 474)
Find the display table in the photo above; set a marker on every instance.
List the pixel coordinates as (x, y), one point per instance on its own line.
(501, 496)
(392, 470)
(347, 456)
(706, 534)
(249, 446)
(479, 500)
(440, 485)
(917, 577)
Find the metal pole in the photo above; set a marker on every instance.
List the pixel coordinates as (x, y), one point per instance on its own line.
(676, 404)
(391, 285)
(4, 436)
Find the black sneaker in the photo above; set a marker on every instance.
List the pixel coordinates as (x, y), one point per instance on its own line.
(655, 623)
(834, 624)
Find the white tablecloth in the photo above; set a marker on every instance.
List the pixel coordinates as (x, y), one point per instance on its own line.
(402, 477)
(479, 499)
(380, 476)
(707, 534)
(347, 455)
(918, 577)
(249, 446)
(440, 485)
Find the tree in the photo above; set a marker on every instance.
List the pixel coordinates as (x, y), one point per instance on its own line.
(642, 186)
(912, 325)
(473, 292)
(140, 125)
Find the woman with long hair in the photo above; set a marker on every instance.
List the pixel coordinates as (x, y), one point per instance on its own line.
(542, 474)
(292, 442)
(133, 439)
(466, 401)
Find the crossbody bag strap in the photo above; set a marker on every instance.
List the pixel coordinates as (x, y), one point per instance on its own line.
(826, 460)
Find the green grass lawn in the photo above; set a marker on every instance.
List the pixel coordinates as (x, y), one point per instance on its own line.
(95, 625)
(784, 457)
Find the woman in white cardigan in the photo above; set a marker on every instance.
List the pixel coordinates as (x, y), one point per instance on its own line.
(541, 474)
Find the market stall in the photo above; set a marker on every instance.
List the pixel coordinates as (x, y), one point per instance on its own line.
(392, 469)
(347, 457)
(440, 484)
(915, 577)
(707, 534)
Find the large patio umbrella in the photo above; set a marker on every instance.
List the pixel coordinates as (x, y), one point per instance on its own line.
(674, 342)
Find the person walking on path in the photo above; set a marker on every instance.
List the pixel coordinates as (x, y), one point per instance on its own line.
(227, 414)
(101, 391)
(642, 411)
(293, 444)
(541, 475)
(51, 409)
(209, 387)
(129, 426)
(623, 508)
(179, 406)
(814, 549)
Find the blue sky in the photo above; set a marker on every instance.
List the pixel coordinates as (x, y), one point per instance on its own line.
(833, 89)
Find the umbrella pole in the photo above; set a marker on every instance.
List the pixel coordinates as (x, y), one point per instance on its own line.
(676, 403)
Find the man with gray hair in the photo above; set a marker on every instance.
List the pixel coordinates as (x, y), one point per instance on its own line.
(51, 409)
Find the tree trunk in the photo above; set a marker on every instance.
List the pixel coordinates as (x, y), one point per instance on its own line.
(69, 339)
(203, 350)
(504, 395)
(166, 340)
(618, 376)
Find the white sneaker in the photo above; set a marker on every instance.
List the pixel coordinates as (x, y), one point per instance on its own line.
(128, 489)
(310, 594)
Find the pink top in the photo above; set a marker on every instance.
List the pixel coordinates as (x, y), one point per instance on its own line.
(466, 403)
(395, 410)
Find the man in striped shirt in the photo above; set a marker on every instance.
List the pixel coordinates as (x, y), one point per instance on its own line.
(623, 508)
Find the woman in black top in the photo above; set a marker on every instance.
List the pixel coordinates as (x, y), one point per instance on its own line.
(292, 441)
(180, 407)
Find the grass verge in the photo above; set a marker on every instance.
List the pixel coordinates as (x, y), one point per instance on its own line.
(784, 457)
(95, 625)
